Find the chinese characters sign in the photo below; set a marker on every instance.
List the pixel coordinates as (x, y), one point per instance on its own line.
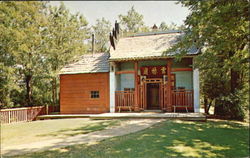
(154, 71)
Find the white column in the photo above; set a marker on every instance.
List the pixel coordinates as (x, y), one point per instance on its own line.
(112, 87)
(196, 84)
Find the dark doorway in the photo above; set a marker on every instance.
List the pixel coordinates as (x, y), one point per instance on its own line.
(153, 96)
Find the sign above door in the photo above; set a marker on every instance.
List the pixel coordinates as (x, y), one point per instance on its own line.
(153, 71)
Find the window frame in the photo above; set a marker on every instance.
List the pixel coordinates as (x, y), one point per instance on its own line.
(94, 94)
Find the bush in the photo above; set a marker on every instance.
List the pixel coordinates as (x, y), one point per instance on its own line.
(234, 106)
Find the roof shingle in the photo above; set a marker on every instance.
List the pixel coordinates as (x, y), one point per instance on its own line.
(88, 63)
(146, 46)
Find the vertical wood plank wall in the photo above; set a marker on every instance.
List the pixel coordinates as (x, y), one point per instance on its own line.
(75, 89)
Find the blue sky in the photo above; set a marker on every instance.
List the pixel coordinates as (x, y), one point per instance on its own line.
(154, 12)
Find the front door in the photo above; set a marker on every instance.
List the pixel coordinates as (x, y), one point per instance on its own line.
(153, 96)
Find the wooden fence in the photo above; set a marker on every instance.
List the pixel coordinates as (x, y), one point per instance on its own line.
(24, 114)
(52, 109)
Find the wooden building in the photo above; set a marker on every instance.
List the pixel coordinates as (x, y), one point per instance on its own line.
(135, 75)
(84, 85)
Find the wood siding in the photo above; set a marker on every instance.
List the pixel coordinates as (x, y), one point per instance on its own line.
(75, 93)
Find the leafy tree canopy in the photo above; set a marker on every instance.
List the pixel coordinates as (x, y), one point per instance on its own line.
(37, 40)
(132, 22)
(101, 29)
(221, 30)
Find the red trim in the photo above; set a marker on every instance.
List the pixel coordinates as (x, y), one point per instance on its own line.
(181, 69)
(124, 72)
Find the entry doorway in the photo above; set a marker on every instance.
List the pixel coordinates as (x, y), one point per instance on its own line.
(153, 96)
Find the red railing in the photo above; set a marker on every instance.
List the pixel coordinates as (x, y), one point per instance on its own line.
(182, 98)
(124, 99)
(21, 114)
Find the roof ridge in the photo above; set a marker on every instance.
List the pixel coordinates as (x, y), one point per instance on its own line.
(153, 33)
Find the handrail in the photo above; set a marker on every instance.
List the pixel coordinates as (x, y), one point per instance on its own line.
(124, 99)
(23, 108)
(23, 114)
(182, 98)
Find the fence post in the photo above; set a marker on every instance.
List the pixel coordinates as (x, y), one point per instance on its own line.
(47, 109)
(26, 115)
(9, 117)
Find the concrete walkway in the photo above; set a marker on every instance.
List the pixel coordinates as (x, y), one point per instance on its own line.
(151, 115)
(132, 115)
(128, 126)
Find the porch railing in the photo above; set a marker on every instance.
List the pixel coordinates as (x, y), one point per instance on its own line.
(182, 98)
(124, 99)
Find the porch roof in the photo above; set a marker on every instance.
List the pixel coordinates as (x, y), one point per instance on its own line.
(88, 63)
(147, 46)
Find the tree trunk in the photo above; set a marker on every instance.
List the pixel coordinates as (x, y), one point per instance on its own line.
(28, 89)
(205, 105)
(54, 91)
(209, 105)
(56, 98)
(235, 76)
(235, 80)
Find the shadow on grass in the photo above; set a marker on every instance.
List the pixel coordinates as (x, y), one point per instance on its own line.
(167, 139)
(96, 126)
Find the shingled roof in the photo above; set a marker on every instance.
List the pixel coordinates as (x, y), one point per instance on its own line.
(88, 63)
(146, 46)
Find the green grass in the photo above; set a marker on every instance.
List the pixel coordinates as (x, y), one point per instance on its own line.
(28, 132)
(166, 139)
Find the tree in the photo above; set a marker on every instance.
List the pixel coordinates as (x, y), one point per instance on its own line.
(164, 27)
(64, 38)
(101, 29)
(36, 42)
(221, 30)
(22, 26)
(132, 22)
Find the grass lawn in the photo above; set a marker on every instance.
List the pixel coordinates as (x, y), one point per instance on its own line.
(27, 132)
(167, 139)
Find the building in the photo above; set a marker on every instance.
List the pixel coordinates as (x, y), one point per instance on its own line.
(135, 75)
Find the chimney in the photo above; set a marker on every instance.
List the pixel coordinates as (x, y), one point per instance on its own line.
(117, 27)
(114, 33)
(111, 39)
(93, 44)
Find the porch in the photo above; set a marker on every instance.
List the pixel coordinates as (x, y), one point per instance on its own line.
(162, 84)
(181, 100)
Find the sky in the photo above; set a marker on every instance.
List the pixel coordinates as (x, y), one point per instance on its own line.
(154, 12)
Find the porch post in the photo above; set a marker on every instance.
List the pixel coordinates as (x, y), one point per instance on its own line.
(112, 87)
(169, 82)
(196, 83)
(136, 86)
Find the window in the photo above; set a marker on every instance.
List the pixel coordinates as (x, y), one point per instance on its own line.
(95, 94)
